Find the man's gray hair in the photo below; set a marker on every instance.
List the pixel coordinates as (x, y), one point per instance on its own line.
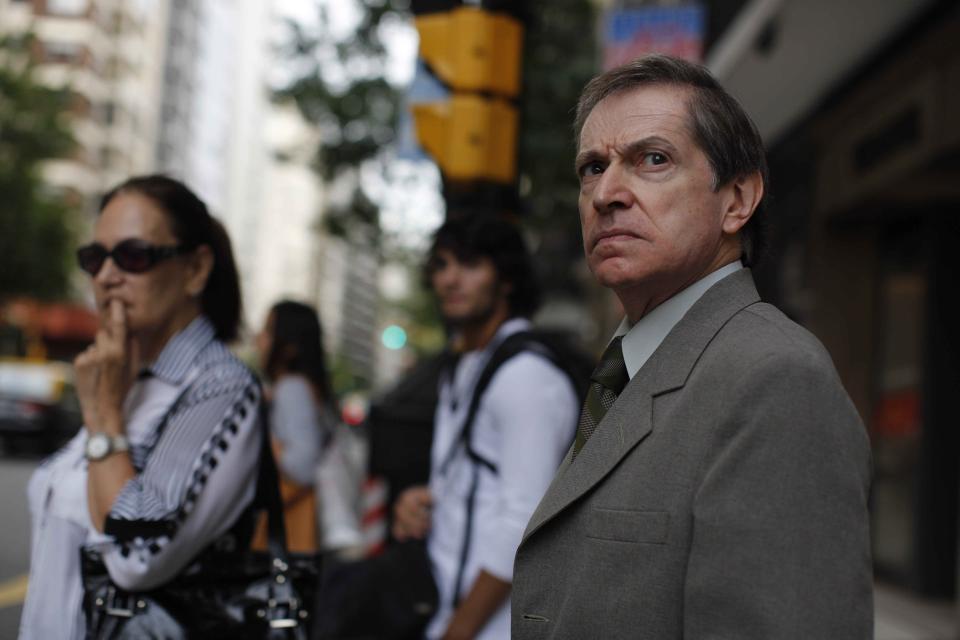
(719, 125)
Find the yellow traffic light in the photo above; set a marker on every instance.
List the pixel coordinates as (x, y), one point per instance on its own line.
(473, 50)
(470, 137)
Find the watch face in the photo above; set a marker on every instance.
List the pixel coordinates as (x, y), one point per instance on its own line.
(98, 445)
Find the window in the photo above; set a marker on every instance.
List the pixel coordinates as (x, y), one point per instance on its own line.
(108, 113)
(61, 51)
(106, 156)
(67, 7)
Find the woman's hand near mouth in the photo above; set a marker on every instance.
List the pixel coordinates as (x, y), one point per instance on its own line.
(104, 372)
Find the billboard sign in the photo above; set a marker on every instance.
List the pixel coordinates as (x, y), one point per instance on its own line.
(631, 33)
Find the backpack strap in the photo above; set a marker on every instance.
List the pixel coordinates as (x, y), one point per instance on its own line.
(512, 345)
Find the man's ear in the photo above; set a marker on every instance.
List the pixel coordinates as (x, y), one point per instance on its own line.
(201, 265)
(745, 194)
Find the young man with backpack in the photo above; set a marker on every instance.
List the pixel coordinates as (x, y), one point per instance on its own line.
(506, 416)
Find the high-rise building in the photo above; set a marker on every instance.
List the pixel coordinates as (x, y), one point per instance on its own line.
(104, 50)
(198, 108)
(285, 262)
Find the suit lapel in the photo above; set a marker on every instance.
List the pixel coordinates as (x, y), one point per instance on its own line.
(630, 419)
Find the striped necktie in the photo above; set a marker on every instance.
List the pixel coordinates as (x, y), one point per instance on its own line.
(607, 381)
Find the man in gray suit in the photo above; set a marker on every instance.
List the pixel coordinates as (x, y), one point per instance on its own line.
(718, 486)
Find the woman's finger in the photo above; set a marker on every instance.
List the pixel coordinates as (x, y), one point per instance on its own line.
(86, 357)
(117, 321)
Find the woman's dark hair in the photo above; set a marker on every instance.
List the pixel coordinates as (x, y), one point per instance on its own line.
(501, 242)
(297, 347)
(192, 224)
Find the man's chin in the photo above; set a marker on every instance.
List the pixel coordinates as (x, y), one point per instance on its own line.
(465, 319)
(611, 274)
(454, 315)
(459, 320)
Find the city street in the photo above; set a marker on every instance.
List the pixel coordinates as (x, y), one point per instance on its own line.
(899, 617)
(14, 540)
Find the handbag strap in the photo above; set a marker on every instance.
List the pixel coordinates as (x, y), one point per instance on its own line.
(150, 444)
(285, 614)
(268, 492)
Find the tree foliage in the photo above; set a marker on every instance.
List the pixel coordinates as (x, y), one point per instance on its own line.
(342, 88)
(35, 236)
(559, 58)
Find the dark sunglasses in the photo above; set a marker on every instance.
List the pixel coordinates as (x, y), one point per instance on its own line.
(133, 256)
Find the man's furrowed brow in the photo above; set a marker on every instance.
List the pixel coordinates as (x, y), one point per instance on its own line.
(643, 144)
(585, 157)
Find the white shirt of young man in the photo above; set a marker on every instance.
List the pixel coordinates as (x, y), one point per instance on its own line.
(524, 425)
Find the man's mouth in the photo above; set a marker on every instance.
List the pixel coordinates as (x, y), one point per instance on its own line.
(612, 235)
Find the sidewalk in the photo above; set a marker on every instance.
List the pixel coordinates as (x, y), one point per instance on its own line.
(903, 616)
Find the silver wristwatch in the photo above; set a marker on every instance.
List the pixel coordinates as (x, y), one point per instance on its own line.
(100, 445)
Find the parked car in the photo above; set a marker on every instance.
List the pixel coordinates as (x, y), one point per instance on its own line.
(38, 404)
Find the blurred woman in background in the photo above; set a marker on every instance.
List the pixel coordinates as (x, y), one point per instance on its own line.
(302, 413)
(166, 463)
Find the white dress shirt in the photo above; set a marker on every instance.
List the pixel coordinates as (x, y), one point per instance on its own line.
(524, 424)
(642, 339)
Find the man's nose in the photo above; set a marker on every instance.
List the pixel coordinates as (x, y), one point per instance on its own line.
(612, 190)
(447, 276)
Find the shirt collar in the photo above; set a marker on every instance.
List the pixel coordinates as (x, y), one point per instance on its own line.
(508, 328)
(180, 352)
(643, 338)
(505, 330)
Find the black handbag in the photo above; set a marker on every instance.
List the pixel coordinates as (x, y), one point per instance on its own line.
(388, 597)
(237, 594)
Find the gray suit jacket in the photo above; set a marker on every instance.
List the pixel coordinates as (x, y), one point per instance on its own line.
(724, 495)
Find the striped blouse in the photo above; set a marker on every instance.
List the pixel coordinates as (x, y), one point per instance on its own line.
(192, 484)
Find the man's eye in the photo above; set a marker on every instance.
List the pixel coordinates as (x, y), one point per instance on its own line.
(655, 158)
(591, 169)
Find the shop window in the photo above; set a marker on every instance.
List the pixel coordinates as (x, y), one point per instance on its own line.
(897, 421)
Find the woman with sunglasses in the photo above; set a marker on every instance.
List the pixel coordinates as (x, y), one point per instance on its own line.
(166, 462)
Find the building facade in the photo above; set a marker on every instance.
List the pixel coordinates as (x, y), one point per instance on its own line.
(104, 50)
(859, 104)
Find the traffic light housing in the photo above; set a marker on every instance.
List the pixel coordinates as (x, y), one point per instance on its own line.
(470, 49)
(470, 137)
(476, 54)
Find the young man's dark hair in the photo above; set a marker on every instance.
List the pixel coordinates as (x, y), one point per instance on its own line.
(500, 241)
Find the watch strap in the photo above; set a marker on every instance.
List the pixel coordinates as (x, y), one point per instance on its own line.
(119, 443)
